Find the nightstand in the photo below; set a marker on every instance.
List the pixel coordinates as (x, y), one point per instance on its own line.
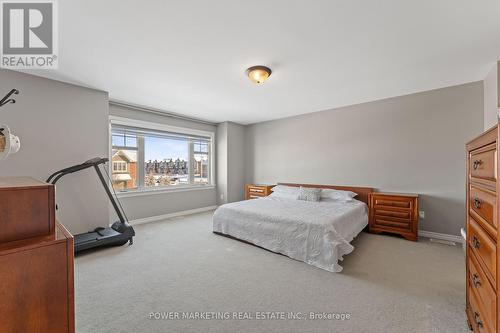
(394, 213)
(253, 191)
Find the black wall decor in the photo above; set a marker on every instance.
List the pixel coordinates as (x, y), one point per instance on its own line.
(7, 98)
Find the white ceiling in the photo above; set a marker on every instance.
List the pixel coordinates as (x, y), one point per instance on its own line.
(189, 57)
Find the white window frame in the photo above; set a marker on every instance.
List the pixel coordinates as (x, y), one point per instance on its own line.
(116, 120)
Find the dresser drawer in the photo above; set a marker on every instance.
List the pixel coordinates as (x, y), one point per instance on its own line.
(484, 203)
(482, 162)
(483, 247)
(479, 320)
(485, 293)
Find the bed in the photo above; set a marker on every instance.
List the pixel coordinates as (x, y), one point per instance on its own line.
(317, 233)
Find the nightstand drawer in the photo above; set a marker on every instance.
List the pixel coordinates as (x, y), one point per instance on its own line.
(401, 214)
(393, 202)
(255, 195)
(392, 222)
(256, 190)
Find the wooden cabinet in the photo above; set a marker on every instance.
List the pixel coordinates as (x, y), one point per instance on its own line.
(394, 213)
(27, 209)
(36, 261)
(482, 229)
(253, 191)
(37, 288)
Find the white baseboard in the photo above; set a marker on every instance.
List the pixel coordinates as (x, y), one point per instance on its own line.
(436, 235)
(171, 215)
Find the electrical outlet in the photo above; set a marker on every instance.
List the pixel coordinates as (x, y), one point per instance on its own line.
(421, 214)
(222, 196)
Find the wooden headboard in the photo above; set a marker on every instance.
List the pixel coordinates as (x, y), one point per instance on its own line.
(361, 191)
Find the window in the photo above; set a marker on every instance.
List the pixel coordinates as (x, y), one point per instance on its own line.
(148, 156)
(119, 166)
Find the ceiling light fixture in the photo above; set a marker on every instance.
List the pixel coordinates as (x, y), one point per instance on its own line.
(258, 74)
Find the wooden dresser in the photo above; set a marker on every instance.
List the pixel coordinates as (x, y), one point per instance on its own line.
(394, 213)
(482, 280)
(27, 209)
(36, 261)
(253, 191)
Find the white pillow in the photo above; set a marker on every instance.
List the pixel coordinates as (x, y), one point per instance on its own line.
(286, 189)
(337, 195)
(310, 194)
(284, 195)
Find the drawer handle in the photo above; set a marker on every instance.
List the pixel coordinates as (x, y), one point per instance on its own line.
(475, 242)
(475, 280)
(476, 164)
(477, 203)
(479, 322)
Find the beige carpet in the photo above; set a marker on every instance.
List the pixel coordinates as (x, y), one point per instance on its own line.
(388, 285)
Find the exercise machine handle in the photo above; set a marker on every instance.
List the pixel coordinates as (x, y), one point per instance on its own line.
(94, 162)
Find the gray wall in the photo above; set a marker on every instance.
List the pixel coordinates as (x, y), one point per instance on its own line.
(59, 125)
(143, 206)
(230, 162)
(221, 165)
(491, 96)
(236, 162)
(412, 143)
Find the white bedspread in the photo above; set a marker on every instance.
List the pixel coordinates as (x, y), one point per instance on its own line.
(317, 233)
